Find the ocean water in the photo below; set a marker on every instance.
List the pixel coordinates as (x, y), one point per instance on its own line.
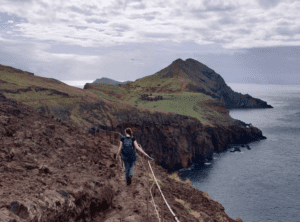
(261, 184)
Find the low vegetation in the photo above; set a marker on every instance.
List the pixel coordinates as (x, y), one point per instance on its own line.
(175, 177)
(186, 206)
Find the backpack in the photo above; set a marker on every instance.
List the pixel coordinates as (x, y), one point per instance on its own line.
(128, 151)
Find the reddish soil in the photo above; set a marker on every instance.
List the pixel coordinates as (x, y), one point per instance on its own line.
(51, 171)
(216, 105)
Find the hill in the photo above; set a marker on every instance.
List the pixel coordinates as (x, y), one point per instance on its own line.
(182, 128)
(51, 171)
(109, 81)
(192, 76)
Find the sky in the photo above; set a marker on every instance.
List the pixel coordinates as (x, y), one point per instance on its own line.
(77, 41)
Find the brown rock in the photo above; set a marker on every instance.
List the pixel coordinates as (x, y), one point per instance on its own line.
(239, 219)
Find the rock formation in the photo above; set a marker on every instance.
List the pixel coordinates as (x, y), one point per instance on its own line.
(150, 98)
(176, 141)
(206, 80)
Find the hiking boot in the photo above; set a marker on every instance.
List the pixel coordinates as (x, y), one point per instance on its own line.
(129, 180)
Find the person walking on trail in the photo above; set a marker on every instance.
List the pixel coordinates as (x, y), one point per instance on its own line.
(128, 153)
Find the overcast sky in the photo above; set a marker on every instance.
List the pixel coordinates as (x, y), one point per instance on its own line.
(77, 41)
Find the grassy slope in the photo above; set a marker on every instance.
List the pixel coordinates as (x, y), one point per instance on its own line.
(42, 98)
(184, 103)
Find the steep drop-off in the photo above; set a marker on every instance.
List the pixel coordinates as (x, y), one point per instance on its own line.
(177, 141)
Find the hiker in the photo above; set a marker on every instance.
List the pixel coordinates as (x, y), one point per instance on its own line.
(128, 153)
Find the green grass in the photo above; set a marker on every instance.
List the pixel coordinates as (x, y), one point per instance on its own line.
(104, 95)
(153, 81)
(14, 78)
(183, 104)
(187, 103)
(175, 177)
(32, 95)
(152, 179)
(8, 86)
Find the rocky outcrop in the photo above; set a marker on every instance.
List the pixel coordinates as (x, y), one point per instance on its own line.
(176, 141)
(150, 98)
(36, 89)
(206, 80)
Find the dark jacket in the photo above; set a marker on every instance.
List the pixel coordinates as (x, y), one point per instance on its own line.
(128, 141)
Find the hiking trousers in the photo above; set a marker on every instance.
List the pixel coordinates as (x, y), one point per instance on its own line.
(129, 166)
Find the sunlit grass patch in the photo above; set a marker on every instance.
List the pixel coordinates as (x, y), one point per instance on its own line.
(186, 206)
(152, 179)
(175, 177)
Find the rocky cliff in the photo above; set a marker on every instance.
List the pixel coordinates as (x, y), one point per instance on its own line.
(205, 80)
(177, 141)
(51, 171)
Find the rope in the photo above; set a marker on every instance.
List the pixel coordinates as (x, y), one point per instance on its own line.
(152, 184)
(162, 193)
(154, 203)
(151, 194)
(159, 190)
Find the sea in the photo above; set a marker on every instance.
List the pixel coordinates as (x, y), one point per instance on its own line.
(261, 184)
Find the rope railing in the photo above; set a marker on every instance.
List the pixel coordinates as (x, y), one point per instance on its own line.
(162, 193)
(152, 184)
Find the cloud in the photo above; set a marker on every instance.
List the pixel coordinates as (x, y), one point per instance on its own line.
(233, 24)
(157, 35)
(76, 9)
(120, 27)
(136, 5)
(268, 4)
(33, 57)
(75, 37)
(146, 16)
(218, 5)
(77, 83)
(97, 21)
